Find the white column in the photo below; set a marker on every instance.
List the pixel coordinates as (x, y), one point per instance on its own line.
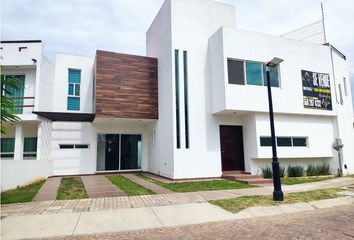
(18, 154)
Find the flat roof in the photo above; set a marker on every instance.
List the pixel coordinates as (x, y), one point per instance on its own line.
(21, 41)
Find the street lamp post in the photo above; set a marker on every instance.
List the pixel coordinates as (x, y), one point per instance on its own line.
(277, 193)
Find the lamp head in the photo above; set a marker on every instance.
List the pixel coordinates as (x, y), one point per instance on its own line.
(275, 61)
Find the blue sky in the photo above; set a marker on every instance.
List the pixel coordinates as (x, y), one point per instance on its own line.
(82, 26)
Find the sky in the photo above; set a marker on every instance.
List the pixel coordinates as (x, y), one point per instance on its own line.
(82, 26)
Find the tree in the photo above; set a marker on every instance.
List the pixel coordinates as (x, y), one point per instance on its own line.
(8, 111)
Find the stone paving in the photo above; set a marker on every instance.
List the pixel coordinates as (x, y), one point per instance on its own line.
(98, 186)
(49, 189)
(331, 223)
(108, 203)
(147, 184)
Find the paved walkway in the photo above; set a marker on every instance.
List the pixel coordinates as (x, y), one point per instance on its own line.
(109, 203)
(147, 184)
(99, 186)
(48, 190)
(329, 223)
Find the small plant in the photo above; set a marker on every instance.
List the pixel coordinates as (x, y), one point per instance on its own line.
(324, 169)
(267, 172)
(295, 171)
(311, 170)
(319, 170)
(282, 172)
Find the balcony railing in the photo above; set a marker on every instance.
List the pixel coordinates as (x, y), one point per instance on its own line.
(24, 105)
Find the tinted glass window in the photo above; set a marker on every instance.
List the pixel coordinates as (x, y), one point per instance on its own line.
(254, 73)
(274, 76)
(300, 142)
(235, 72)
(266, 141)
(284, 141)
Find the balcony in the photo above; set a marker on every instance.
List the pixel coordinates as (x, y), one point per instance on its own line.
(24, 105)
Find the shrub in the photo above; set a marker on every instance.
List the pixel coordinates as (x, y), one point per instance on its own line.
(282, 172)
(295, 171)
(267, 172)
(311, 170)
(322, 169)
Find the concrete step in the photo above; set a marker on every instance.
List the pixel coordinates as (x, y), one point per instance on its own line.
(242, 176)
(234, 172)
(254, 180)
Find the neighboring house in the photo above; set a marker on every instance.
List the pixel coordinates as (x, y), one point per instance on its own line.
(194, 107)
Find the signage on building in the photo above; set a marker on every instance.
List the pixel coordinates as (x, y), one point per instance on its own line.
(316, 90)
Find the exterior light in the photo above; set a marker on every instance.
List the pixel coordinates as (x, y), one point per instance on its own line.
(275, 61)
(277, 193)
(34, 60)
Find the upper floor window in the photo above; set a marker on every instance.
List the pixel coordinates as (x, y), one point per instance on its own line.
(13, 86)
(251, 73)
(74, 89)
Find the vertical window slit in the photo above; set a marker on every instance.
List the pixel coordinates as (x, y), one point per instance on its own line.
(186, 114)
(177, 98)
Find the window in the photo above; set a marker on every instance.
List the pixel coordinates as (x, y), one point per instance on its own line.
(236, 72)
(253, 72)
(284, 142)
(340, 94)
(30, 147)
(186, 113)
(266, 141)
(16, 93)
(178, 140)
(74, 89)
(345, 86)
(72, 146)
(7, 147)
(299, 141)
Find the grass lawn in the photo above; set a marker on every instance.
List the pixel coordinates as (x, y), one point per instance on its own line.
(129, 187)
(237, 204)
(71, 188)
(292, 181)
(198, 185)
(21, 194)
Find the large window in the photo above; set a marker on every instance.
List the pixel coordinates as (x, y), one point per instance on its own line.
(119, 152)
(74, 89)
(30, 148)
(251, 73)
(7, 147)
(16, 93)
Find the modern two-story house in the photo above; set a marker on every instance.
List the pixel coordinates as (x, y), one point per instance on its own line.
(196, 105)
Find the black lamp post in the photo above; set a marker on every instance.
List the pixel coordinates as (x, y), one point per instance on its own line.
(277, 193)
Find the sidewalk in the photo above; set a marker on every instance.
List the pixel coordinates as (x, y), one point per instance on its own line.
(111, 203)
(73, 224)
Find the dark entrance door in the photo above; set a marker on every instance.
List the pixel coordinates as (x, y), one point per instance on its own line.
(231, 141)
(112, 152)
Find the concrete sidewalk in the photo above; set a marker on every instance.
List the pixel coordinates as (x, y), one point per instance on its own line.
(68, 224)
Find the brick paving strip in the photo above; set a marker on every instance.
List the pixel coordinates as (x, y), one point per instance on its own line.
(147, 184)
(49, 189)
(98, 186)
(108, 203)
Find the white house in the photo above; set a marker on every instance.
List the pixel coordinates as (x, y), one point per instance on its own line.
(196, 105)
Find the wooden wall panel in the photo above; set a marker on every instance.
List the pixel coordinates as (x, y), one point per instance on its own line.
(126, 86)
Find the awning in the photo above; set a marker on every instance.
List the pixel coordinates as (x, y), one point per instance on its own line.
(67, 116)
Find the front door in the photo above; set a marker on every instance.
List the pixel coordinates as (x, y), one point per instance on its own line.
(231, 141)
(112, 152)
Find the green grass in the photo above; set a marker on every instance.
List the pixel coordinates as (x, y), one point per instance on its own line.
(71, 188)
(292, 181)
(129, 187)
(237, 204)
(21, 194)
(198, 185)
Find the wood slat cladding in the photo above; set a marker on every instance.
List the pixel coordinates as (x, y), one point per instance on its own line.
(126, 86)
